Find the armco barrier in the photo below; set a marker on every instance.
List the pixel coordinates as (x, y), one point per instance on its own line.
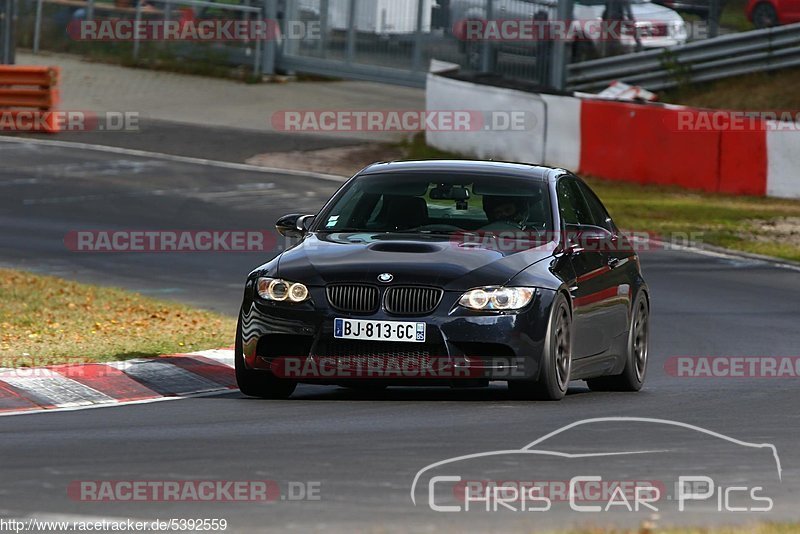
(35, 89)
(632, 142)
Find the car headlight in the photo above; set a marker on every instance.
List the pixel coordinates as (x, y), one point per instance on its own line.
(280, 290)
(496, 298)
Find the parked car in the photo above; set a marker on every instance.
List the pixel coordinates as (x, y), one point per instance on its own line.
(694, 7)
(766, 13)
(657, 26)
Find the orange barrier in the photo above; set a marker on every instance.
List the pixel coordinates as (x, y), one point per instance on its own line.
(31, 87)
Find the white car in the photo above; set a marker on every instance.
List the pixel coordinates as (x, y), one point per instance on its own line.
(657, 26)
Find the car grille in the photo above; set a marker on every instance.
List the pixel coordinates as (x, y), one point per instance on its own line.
(411, 300)
(353, 298)
(345, 353)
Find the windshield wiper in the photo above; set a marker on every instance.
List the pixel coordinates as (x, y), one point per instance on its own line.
(447, 232)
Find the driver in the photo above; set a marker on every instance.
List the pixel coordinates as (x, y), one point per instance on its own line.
(513, 211)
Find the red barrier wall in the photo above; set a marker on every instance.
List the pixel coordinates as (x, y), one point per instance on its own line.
(743, 162)
(652, 144)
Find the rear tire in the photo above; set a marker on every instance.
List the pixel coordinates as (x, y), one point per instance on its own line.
(764, 16)
(261, 384)
(632, 377)
(556, 364)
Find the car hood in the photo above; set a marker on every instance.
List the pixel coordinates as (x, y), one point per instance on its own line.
(648, 11)
(453, 263)
(645, 11)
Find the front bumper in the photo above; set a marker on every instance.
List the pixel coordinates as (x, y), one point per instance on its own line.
(462, 344)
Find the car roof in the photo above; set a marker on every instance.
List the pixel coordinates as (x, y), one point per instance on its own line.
(521, 170)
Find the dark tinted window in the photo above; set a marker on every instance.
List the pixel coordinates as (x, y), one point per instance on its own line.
(598, 212)
(571, 203)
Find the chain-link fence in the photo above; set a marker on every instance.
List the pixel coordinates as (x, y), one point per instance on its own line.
(383, 40)
(106, 30)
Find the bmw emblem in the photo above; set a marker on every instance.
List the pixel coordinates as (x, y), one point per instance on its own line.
(385, 277)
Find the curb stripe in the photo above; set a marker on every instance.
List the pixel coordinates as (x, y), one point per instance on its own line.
(49, 389)
(11, 400)
(206, 368)
(92, 385)
(108, 380)
(165, 378)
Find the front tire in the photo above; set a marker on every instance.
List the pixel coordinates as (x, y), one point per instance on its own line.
(632, 377)
(261, 384)
(556, 364)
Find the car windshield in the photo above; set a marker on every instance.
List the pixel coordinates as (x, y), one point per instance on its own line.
(438, 204)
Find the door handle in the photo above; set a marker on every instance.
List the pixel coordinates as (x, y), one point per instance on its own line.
(613, 262)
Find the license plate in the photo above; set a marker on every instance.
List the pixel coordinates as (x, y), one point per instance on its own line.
(379, 330)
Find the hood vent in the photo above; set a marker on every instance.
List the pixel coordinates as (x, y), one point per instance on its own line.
(404, 246)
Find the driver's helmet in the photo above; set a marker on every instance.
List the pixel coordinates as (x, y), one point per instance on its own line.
(505, 208)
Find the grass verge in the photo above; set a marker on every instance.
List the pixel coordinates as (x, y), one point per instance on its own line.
(761, 91)
(47, 320)
(768, 226)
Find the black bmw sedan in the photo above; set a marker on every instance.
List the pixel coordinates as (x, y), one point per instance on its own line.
(452, 273)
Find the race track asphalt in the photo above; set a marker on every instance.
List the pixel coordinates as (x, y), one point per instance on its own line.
(364, 449)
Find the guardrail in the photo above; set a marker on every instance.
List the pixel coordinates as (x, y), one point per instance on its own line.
(34, 88)
(702, 61)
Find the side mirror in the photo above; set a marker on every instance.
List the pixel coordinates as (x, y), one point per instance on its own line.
(294, 224)
(594, 238)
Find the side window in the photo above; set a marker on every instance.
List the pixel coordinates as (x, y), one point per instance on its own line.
(598, 211)
(571, 204)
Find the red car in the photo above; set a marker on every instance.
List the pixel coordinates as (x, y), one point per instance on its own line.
(765, 13)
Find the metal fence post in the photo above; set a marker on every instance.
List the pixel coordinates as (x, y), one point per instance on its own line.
(322, 44)
(558, 62)
(270, 47)
(138, 22)
(8, 16)
(351, 31)
(416, 62)
(713, 18)
(487, 65)
(90, 10)
(37, 27)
